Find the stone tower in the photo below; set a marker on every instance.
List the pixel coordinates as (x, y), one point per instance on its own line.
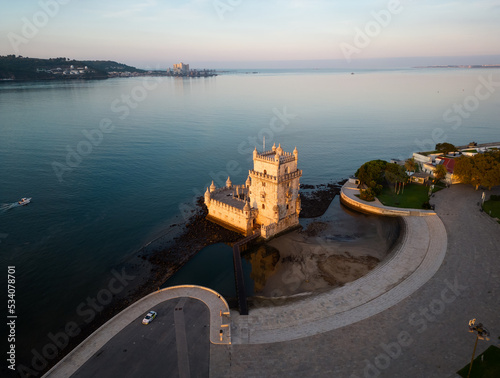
(274, 190)
(269, 200)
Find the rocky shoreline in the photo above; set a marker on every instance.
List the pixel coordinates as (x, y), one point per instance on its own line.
(160, 259)
(315, 203)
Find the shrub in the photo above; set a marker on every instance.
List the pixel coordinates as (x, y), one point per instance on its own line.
(426, 205)
(367, 195)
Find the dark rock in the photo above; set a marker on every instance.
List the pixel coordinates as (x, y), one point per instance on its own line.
(315, 204)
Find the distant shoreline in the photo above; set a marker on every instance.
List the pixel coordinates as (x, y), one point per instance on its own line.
(463, 66)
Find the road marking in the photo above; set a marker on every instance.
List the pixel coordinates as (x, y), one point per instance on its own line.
(181, 340)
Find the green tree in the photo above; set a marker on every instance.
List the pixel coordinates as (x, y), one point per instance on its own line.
(445, 148)
(463, 169)
(486, 166)
(371, 174)
(440, 172)
(411, 165)
(367, 194)
(481, 169)
(396, 175)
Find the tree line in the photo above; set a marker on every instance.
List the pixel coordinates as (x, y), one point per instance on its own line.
(479, 170)
(376, 172)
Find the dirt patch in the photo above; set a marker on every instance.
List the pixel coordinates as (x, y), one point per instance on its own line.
(315, 228)
(339, 270)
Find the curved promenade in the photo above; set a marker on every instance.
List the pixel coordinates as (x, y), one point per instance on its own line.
(348, 197)
(219, 324)
(416, 259)
(424, 335)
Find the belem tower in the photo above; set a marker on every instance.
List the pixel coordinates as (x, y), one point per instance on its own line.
(269, 200)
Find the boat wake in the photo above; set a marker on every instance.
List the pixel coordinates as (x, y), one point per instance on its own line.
(7, 206)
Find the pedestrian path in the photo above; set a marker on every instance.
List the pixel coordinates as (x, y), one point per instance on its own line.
(410, 266)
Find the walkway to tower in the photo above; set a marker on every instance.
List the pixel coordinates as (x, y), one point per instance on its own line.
(238, 272)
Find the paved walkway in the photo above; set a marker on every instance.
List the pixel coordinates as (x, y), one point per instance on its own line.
(423, 335)
(219, 324)
(410, 266)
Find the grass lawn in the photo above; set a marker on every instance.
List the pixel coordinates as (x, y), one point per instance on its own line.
(439, 186)
(413, 197)
(493, 207)
(487, 366)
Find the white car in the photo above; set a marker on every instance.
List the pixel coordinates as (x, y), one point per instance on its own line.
(149, 317)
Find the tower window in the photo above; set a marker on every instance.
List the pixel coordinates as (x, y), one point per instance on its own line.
(265, 172)
(263, 206)
(287, 207)
(263, 183)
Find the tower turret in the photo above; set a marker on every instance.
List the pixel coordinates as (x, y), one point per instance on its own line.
(207, 197)
(248, 182)
(279, 150)
(212, 187)
(296, 153)
(246, 209)
(228, 182)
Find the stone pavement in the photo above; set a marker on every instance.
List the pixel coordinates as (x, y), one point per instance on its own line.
(423, 335)
(411, 265)
(219, 324)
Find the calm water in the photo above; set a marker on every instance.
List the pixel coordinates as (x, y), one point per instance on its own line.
(167, 139)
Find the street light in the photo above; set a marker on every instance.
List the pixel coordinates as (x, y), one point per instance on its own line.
(481, 334)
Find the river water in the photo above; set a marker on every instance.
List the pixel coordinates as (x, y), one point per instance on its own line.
(111, 164)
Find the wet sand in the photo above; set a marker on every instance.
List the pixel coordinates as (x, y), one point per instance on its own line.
(330, 251)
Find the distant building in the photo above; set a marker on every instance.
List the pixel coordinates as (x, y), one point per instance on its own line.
(269, 200)
(181, 69)
(420, 177)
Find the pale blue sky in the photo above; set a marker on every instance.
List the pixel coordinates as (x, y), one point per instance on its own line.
(160, 33)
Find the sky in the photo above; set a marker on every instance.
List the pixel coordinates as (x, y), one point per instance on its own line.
(255, 33)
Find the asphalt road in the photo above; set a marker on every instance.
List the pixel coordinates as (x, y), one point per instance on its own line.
(175, 344)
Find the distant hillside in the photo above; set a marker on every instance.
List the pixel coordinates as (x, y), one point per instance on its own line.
(20, 68)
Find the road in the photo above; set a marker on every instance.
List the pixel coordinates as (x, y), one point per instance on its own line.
(175, 344)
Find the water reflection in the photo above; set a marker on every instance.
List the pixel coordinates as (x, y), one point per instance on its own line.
(329, 251)
(263, 264)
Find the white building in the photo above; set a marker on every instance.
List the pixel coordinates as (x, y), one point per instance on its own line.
(181, 69)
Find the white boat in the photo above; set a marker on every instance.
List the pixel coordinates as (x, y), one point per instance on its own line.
(24, 201)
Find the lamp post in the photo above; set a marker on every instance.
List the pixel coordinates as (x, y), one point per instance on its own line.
(481, 334)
